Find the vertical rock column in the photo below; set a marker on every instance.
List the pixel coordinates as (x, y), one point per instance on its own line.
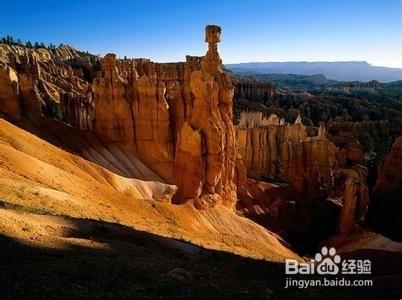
(112, 108)
(9, 94)
(206, 149)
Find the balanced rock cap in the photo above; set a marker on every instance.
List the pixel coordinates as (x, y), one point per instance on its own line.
(212, 34)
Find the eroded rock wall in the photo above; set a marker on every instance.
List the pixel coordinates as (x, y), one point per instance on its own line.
(42, 81)
(277, 151)
(390, 170)
(145, 107)
(254, 90)
(307, 175)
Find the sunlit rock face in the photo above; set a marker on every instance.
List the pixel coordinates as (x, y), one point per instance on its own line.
(211, 128)
(48, 82)
(9, 103)
(156, 108)
(147, 108)
(293, 175)
(273, 150)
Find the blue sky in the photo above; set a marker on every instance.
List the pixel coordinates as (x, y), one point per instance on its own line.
(269, 30)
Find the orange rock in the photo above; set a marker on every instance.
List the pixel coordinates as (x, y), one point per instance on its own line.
(311, 165)
(149, 109)
(351, 192)
(390, 170)
(277, 151)
(189, 163)
(151, 119)
(212, 116)
(47, 85)
(9, 96)
(112, 110)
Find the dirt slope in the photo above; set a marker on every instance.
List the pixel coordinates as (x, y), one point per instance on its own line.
(39, 178)
(90, 146)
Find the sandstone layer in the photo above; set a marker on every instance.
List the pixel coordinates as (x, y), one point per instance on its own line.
(148, 109)
(207, 143)
(302, 172)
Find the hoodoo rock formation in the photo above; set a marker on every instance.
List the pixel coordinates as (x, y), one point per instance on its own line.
(9, 103)
(106, 146)
(254, 90)
(273, 150)
(51, 83)
(206, 144)
(352, 194)
(298, 170)
(150, 109)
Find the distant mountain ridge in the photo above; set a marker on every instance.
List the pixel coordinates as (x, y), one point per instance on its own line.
(341, 71)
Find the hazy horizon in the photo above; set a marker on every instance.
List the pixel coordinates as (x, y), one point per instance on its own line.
(252, 31)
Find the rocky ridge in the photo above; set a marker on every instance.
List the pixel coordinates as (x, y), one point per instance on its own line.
(147, 108)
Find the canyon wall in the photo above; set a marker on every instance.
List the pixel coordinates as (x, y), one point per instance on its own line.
(173, 116)
(143, 106)
(253, 90)
(273, 150)
(299, 170)
(44, 82)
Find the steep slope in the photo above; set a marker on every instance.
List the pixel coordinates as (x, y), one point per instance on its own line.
(91, 146)
(39, 178)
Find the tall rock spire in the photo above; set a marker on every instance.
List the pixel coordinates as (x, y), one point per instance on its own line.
(206, 149)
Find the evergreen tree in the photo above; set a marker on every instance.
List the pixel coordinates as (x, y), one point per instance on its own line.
(28, 44)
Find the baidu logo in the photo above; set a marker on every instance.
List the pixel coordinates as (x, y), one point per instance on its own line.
(327, 262)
